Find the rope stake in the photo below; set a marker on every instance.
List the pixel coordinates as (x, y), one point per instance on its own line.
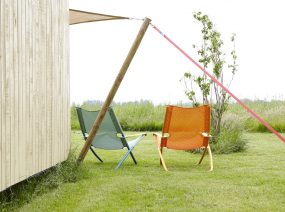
(222, 86)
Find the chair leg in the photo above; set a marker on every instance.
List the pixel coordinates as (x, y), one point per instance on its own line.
(133, 157)
(202, 157)
(161, 149)
(157, 139)
(161, 159)
(210, 158)
(94, 153)
(124, 158)
(130, 149)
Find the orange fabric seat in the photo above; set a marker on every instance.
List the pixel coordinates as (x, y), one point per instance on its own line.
(185, 129)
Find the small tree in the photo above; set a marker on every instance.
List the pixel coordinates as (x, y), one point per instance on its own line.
(212, 58)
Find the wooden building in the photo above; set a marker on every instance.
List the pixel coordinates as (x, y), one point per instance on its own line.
(34, 87)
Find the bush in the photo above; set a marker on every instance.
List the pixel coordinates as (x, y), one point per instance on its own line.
(25, 191)
(231, 138)
(65, 172)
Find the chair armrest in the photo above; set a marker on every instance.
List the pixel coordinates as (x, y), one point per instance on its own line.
(206, 135)
(132, 135)
(157, 135)
(160, 136)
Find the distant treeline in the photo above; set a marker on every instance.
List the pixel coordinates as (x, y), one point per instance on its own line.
(145, 116)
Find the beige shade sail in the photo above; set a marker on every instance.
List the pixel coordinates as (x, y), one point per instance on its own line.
(78, 16)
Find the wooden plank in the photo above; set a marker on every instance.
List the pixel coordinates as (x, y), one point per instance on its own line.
(37, 88)
(8, 94)
(66, 80)
(67, 90)
(25, 126)
(49, 85)
(22, 108)
(29, 141)
(60, 82)
(33, 102)
(57, 84)
(2, 100)
(54, 105)
(15, 100)
(65, 111)
(43, 109)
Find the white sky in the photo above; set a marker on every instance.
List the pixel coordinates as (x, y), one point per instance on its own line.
(97, 50)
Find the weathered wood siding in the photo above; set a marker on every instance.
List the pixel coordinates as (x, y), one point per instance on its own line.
(34, 87)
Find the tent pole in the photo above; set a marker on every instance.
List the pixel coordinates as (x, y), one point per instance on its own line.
(113, 90)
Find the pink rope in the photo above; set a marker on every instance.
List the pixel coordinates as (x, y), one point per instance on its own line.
(222, 86)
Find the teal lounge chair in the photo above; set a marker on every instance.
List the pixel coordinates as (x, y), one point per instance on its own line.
(109, 136)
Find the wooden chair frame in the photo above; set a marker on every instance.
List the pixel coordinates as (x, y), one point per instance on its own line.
(158, 137)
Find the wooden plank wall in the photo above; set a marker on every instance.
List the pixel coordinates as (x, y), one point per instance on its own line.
(34, 87)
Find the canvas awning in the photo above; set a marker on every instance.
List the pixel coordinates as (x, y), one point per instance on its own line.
(78, 16)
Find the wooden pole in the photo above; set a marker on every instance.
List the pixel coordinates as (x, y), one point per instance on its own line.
(113, 90)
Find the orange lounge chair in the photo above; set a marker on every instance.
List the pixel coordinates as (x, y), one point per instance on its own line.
(185, 129)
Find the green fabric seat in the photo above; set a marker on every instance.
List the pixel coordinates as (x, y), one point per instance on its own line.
(110, 135)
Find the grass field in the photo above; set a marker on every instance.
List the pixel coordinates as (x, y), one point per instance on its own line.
(250, 181)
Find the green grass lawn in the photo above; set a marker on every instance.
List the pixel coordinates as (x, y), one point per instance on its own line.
(250, 181)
